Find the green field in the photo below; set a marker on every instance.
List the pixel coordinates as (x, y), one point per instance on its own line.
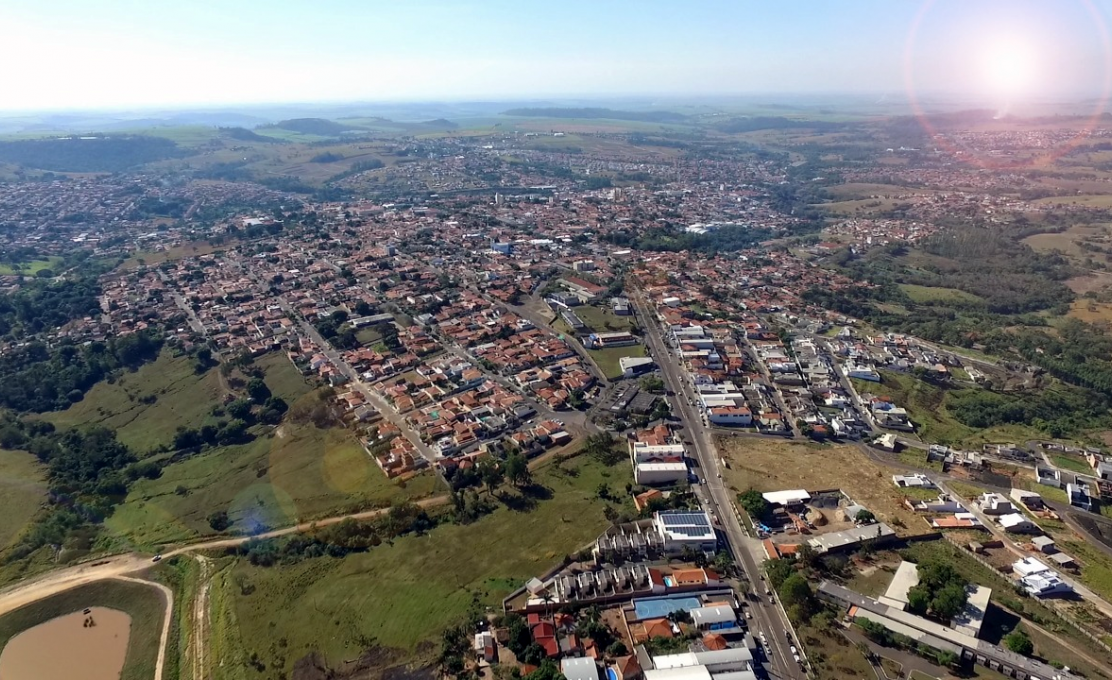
(181, 398)
(293, 474)
(143, 603)
(22, 491)
(924, 403)
(33, 267)
(603, 320)
(1070, 463)
(607, 359)
(928, 294)
(403, 594)
(283, 378)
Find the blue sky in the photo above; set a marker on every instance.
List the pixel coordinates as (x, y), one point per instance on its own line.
(116, 53)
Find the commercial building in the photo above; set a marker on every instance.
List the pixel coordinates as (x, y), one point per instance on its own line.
(684, 529)
(657, 464)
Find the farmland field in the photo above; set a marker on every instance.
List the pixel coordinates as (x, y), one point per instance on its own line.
(22, 491)
(292, 474)
(403, 594)
(146, 407)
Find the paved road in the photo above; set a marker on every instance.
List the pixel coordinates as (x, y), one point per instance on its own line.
(767, 617)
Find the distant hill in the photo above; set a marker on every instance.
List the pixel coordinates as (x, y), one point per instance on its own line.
(440, 124)
(311, 126)
(612, 114)
(753, 123)
(89, 154)
(245, 135)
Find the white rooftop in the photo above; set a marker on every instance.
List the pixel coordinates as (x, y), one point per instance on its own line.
(787, 497)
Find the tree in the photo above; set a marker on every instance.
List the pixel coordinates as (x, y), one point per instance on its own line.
(258, 390)
(219, 521)
(949, 601)
(795, 590)
(491, 473)
(865, 517)
(778, 571)
(918, 600)
(1018, 642)
(517, 469)
(754, 503)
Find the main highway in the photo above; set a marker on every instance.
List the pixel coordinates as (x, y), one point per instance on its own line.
(768, 617)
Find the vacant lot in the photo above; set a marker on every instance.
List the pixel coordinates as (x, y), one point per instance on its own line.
(283, 378)
(402, 594)
(147, 406)
(143, 603)
(768, 465)
(608, 359)
(925, 404)
(22, 491)
(190, 249)
(289, 475)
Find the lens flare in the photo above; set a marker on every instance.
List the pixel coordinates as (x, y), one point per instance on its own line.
(1008, 68)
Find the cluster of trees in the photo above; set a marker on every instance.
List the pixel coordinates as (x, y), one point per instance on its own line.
(673, 239)
(1079, 353)
(88, 473)
(38, 378)
(43, 305)
(1055, 411)
(940, 592)
(89, 153)
(327, 157)
(337, 540)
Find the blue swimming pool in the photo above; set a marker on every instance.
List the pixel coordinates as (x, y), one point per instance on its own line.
(611, 674)
(659, 607)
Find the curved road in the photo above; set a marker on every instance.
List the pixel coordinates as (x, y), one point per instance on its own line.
(117, 566)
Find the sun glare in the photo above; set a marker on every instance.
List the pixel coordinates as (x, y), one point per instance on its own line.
(1008, 68)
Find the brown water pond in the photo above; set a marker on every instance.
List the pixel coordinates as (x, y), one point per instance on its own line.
(89, 646)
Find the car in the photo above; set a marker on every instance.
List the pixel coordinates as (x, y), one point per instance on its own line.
(771, 600)
(794, 650)
(156, 558)
(748, 615)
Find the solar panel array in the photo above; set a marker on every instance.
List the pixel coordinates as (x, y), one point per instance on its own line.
(691, 532)
(684, 519)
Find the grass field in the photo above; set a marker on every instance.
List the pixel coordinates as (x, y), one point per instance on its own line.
(1096, 567)
(928, 294)
(33, 267)
(775, 465)
(402, 594)
(283, 378)
(22, 491)
(143, 603)
(1070, 463)
(289, 475)
(603, 320)
(607, 359)
(181, 398)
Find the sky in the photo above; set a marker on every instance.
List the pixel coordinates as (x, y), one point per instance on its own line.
(79, 54)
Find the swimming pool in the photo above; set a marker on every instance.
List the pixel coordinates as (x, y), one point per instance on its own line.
(659, 607)
(611, 674)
